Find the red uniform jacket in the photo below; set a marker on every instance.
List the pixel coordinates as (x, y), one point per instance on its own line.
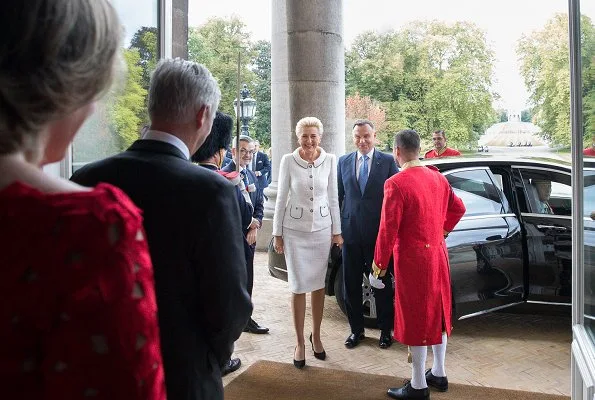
(419, 205)
(448, 152)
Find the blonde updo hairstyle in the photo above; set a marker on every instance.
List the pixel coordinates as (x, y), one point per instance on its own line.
(308, 122)
(55, 57)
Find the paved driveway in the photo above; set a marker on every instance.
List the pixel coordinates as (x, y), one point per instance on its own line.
(513, 351)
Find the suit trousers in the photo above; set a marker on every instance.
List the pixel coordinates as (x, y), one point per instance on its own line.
(357, 261)
(249, 254)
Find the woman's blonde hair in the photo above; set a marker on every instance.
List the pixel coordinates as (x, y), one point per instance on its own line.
(308, 122)
(55, 56)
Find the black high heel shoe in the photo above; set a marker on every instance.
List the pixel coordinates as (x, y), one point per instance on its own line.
(299, 364)
(321, 355)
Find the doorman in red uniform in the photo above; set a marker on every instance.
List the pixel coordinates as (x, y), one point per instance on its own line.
(418, 212)
(440, 149)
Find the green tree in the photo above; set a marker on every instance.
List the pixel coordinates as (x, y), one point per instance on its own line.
(145, 40)
(544, 56)
(216, 45)
(261, 66)
(526, 115)
(429, 75)
(127, 107)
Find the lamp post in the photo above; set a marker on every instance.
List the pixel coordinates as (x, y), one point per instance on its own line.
(247, 108)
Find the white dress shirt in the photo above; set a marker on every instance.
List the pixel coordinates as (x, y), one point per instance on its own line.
(360, 159)
(167, 138)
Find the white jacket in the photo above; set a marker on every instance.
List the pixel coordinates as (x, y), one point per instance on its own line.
(307, 198)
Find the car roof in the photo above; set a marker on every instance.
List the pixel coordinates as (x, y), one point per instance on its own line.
(488, 160)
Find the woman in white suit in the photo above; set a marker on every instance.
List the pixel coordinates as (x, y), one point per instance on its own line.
(306, 224)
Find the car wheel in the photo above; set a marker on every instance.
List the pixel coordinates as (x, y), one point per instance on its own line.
(368, 299)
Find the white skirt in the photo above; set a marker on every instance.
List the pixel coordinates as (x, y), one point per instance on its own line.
(306, 257)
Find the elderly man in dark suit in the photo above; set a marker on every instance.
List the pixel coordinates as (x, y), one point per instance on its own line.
(246, 152)
(361, 177)
(191, 218)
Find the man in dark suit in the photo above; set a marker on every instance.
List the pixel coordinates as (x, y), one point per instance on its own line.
(211, 155)
(361, 177)
(191, 218)
(246, 152)
(261, 166)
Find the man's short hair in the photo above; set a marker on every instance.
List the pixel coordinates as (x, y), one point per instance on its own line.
(407, 140)
(243, 138)
(179, 88)
(362, 122)
(440, 132)
(218, 139)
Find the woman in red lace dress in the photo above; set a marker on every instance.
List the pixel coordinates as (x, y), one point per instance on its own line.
(78, 316)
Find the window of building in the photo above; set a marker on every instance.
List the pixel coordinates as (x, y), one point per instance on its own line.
(120, 116)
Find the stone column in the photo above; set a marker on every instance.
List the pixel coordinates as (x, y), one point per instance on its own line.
(307, 77)
(180, 29)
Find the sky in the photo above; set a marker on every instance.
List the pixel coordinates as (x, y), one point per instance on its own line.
(504, 22)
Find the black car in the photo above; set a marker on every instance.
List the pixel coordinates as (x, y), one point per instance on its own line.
(513, 245)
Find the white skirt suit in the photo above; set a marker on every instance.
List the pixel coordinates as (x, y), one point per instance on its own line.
(306, 216)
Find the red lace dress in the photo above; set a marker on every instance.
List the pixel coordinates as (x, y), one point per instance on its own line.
(78, 317)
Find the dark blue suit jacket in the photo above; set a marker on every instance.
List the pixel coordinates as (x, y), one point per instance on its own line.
(360, 214)
(263, 164)
(256, 197)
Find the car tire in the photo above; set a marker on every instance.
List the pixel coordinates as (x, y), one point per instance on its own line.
(369, 303)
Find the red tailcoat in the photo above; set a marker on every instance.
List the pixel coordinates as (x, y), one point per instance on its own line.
(448, 152)
(419, 205)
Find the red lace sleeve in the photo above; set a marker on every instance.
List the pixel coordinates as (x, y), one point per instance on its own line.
(83, 314)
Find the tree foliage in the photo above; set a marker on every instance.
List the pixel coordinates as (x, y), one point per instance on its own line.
(429, 75)
(261, 66)
(544, 57)
(358, 107)
(128, 108)
(216, 45)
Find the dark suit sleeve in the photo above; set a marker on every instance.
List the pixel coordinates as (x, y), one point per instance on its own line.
(340, 184)
(393, 167)
(225, 305)
(259, 206)
(266, 164)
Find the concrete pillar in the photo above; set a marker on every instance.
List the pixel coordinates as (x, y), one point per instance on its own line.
(307, 79)
(180, 29)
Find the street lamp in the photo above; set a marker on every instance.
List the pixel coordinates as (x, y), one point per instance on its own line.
(247, 108)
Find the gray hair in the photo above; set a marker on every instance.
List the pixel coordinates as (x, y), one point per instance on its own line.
(407, 140)
(55, 56)
(179, 88)
(243, 138)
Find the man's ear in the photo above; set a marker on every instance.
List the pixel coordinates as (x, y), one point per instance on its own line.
(201, 116)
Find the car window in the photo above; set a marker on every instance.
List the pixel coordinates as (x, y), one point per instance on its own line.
(547, 192)
(589, 195)
(478, 192)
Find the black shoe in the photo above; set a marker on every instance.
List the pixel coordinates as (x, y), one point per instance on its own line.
(299, 364)
(232, 365)
(354, 339)
(408, 392)
(439, 383)
(253, 327)
(321, 355)
(385, 340)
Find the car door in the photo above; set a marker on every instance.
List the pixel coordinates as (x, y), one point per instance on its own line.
(546, 217)
(485, 248)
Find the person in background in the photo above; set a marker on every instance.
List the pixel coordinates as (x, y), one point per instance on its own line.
(192, 223)
(419, 210)
(361, 177)
(306, 224)
(440, 149)
(78, 313)
(261, 166)
(590, 151)
(211, 156)
(543, 188)
(257, 200)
